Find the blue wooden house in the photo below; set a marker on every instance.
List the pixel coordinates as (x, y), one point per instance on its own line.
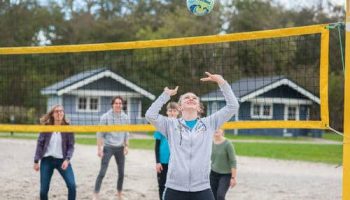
(268, 98)
(87, 95)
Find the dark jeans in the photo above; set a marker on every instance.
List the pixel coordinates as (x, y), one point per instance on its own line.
(162, 179)
(119, 156)
(219, 184)
(170, 194)
(47, 165)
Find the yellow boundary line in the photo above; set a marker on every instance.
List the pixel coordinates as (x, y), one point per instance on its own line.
(276, 33)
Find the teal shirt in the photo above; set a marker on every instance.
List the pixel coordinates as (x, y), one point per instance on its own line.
(164, 151)
(223, 158)
(191, 123)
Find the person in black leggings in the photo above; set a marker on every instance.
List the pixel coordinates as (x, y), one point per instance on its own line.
(223, 173)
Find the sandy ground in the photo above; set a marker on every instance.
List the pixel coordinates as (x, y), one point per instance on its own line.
(258, 178)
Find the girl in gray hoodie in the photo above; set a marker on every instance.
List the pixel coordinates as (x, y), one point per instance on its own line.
(190, 140)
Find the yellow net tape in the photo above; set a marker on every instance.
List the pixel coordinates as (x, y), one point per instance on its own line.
(276, 33)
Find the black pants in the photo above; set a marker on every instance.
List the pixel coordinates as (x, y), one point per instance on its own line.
(170, 194)
(108, 152)
(162, 179)
(219, 184)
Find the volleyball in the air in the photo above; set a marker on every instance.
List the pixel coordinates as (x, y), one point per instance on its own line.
(200, 7)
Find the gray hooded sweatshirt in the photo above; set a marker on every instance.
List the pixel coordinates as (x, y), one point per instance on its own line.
(115, 139)
(190, 149)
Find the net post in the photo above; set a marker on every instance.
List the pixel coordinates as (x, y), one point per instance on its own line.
(346, 145)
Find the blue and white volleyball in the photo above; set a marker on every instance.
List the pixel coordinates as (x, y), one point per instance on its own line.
(200, 7)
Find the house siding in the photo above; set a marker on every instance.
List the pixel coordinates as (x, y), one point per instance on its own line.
(278, 114)
(93, 118)
(104, 89)
(245, 115)
(80, 118)
(53, 100)
(134, 110)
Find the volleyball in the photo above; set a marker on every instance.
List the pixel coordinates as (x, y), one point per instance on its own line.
(200, 7)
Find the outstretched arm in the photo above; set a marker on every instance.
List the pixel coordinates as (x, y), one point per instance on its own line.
(152, 114)
(159, 166)
(231, 108)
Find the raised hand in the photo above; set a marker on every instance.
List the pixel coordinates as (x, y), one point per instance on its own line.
(171, 92)
(214, 78)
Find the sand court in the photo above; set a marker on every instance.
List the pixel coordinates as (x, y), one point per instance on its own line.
(258, 178)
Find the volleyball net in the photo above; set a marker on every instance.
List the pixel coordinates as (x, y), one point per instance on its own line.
(280, 78)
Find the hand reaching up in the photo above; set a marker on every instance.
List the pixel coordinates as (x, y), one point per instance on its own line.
(214, 78)
(171, 92)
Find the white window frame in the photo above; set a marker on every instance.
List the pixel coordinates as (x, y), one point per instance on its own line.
(261, 111)
(88, 101)
(286, 112)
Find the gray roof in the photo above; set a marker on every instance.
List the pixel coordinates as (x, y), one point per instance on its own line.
(246, 86)
(54, 88)
(86, 79)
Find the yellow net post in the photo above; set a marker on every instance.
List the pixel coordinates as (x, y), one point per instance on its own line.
(346, 145)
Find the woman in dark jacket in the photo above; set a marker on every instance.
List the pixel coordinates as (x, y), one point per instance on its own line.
(54, 150)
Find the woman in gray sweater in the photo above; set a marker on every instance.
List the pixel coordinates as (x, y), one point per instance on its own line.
(190, 139)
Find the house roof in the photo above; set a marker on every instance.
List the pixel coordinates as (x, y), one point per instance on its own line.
(248, 88)
(86, 77)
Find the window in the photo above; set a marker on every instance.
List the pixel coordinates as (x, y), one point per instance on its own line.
(292, 113)
(93, 104)
(82, 103)
(88, 104)
(266, 110)
(256, 109)
(261, 111)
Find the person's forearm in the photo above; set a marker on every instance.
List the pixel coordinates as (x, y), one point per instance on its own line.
(156, 150)
(39, 148)
(152, 114)
(99, 143)
(233, 172)
(126, 139)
